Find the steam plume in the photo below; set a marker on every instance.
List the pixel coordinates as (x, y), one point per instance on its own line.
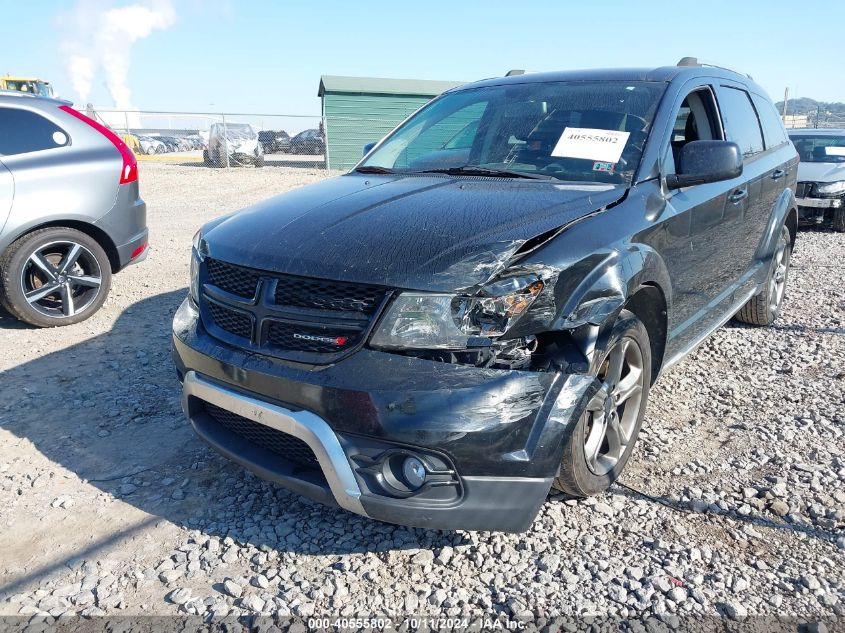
(99, 38)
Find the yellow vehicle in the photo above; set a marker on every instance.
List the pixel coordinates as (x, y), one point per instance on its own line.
(26, 84)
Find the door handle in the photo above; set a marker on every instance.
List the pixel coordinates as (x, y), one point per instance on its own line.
(738, 196)
(778, 174)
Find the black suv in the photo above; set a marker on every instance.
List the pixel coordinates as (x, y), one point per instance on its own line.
(274, 142)
(476, 312)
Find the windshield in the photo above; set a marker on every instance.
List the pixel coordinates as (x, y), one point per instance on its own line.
(574, 131)
(820, 148)
(44, 89)
(239, 130)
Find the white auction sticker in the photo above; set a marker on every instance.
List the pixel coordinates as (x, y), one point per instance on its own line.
(832, 150)
(591, 144)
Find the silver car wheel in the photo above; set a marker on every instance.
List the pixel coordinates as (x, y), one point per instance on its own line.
(61, 279)
(611, 415)
(780, 270)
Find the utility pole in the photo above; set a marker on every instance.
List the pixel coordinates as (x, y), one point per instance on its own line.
(785, 99)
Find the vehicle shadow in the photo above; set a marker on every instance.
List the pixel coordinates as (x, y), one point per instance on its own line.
(108, 410)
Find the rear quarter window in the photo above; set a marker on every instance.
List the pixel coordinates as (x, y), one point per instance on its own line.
(740, 118)
(22, 131)
(773, 131)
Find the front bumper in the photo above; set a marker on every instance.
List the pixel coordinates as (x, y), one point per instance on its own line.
(820, 203)
(490, 439)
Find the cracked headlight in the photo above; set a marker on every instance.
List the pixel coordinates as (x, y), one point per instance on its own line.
(831, 188)
(423, 320)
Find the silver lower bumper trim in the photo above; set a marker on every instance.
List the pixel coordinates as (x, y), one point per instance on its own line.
(307, 426)
(820, 203)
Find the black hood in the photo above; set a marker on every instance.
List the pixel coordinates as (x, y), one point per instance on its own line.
(416, 232)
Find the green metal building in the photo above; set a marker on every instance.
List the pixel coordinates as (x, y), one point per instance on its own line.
(361, 110)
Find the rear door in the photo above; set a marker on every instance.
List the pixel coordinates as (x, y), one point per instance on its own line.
(7, 194)
(746, 214)
(781, 168)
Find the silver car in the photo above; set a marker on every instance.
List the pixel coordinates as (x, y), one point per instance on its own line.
(70, 211)
(821, 176)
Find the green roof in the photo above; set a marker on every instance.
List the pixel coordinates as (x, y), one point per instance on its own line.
(376, 85)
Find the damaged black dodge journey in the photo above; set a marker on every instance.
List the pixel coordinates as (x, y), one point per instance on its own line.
(475, 313)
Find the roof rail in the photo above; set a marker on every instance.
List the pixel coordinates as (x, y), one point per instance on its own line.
(694, 61)
(514, 72)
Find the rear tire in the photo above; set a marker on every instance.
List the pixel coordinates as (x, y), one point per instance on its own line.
(599, 445)
(54, 276)
(764, 307)
(838, 220)
(206, 159)
(259, 162)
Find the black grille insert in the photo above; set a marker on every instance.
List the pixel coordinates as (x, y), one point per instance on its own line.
(318, 294)
(287, 446)
(233, 321)
(239, 281)
(287, 316)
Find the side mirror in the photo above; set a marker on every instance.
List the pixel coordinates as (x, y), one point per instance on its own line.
(706, 161)
(368, 147)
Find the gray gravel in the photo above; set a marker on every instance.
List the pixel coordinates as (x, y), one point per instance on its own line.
(733, 505)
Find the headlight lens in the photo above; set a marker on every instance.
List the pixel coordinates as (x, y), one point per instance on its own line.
(418, 320)
(196, 258)
(832, 188)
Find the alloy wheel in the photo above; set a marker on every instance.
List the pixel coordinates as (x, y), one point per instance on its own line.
(612, 413)
(780, 270)
(61, 279)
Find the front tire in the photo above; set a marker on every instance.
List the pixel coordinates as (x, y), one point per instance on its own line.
(599, 445)
(838, 220)
(764, 307)
(55, 276)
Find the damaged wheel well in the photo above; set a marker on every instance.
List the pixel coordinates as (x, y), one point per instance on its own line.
(649, 304)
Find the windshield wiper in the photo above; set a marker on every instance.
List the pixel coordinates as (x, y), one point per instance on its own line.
(472, 170)
(374, 169)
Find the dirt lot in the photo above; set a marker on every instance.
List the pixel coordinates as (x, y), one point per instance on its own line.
(734, 503)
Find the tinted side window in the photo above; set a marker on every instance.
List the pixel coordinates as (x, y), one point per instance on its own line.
(773, 131)
(22, 131)
(741, 122)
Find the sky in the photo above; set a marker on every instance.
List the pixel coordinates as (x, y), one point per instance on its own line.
(264, 56)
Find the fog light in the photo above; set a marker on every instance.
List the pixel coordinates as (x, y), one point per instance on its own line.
(414, 472)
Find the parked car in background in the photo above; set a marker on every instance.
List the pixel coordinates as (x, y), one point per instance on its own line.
(195, 141)
(70, 211)
(308, 142)
(274, 142)
(150, 145)
(171, 143)
(821, 176)
(436, 342)
(238, 140)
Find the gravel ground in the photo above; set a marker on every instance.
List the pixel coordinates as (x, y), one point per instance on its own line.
(733, 504)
